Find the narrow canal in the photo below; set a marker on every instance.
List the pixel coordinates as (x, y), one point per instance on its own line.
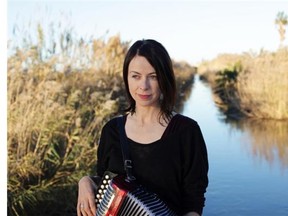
(248, 160)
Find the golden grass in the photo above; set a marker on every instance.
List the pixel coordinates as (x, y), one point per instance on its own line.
(53, 128)
(56, 108)
(184, 80)
(208, 69)
(263, 89)
(262, 84)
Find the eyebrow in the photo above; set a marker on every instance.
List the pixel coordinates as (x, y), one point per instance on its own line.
(140, 73)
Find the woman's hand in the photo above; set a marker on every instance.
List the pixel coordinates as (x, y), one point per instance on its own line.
(86, 197)
(192, 214)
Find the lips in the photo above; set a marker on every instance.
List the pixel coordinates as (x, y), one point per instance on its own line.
(144, 97)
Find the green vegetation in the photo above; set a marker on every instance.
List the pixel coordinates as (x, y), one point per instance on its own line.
(60, 93)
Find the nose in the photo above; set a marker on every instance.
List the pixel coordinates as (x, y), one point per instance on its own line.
(144, 84)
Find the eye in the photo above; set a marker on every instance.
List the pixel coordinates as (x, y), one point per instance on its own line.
(153, 77)
(135, 76)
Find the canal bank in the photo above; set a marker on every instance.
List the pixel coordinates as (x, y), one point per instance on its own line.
(248, 161)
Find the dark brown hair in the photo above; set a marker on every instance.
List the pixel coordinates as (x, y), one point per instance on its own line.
(158, 57)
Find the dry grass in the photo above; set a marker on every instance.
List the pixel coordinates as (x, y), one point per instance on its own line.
(261, 87)
(56, 108)
(184, 74)
(207, 70)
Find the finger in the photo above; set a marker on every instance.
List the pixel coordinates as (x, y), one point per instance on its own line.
(84, 210)
(79, 209)
(92, 205)
(87, 211)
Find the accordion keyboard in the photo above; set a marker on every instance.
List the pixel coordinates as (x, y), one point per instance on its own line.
(117, 197)
(102, 188)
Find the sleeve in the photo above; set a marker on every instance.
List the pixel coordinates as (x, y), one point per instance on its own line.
(103, 151)
(109, 155)
(195, 169)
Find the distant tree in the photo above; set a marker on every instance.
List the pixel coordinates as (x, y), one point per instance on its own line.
(281, 20)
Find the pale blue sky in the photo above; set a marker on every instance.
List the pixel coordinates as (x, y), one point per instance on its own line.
(190, 30)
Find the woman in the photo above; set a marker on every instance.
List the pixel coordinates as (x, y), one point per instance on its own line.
(167, 149)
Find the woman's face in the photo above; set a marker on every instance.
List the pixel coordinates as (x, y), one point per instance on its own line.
(143, 83)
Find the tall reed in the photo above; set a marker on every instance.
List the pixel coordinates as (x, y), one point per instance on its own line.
(57, 104)
(263, 87)
(260, 87)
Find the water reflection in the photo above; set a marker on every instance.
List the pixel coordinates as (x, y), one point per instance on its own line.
(265, 139)
(184, 88)
(268, 139)
(252, 181)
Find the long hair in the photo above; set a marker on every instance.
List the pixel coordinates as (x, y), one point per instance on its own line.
(158, 57)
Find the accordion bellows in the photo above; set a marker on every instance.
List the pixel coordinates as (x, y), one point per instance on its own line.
(118, 197)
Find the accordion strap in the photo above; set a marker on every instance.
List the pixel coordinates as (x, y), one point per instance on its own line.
(125, 149)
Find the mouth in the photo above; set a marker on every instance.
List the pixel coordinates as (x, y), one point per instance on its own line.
(144, 97)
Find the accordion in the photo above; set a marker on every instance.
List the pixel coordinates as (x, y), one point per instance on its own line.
(117, 196)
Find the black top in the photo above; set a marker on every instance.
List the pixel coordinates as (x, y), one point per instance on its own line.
(175, 167)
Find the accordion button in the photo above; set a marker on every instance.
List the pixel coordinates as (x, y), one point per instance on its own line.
(106, 176)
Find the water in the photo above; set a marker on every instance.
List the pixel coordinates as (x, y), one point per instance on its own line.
(248, 160)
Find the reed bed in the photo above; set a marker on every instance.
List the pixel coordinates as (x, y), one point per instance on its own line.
(252, 85)
(263, 91)
(54, 119)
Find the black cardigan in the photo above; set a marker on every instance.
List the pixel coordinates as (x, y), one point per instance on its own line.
(175, 167)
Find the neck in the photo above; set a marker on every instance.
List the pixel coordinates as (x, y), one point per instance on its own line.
(146, 116)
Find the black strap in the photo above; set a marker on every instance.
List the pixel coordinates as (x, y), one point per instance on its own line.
(125, 149)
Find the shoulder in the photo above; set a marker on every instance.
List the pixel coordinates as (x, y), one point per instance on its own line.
(184, 121)
(113, 123)
(180, 124)
(189, 132)
(110, 130)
